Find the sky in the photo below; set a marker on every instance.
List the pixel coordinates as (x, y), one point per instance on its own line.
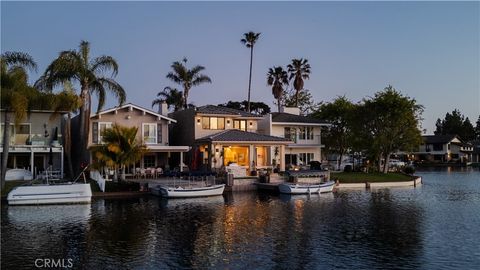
(427, 50)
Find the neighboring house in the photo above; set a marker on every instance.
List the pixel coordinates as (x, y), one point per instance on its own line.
(32, 140)
(221, 136)
(152, 131)
(304, 134)
(443, 148)
(476, 151)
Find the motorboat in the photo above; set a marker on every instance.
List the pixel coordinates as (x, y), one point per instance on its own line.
(51, 193)
(188, 191)
(290, 188)
(18, 174)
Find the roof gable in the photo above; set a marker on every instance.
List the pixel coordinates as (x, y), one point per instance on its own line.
(212, 109)
(136, 107)
(433, 139)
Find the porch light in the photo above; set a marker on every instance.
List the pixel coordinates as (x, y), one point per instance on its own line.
(128, 117)
(228, 122)
(251, 123)
(198, 121)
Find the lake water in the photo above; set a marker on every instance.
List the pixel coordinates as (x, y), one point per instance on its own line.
(435, 226)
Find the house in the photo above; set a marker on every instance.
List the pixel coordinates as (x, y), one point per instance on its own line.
(153, 129)
(443, 148)
(476, 151)
(36, 142)
(221, 136)
(302, 132)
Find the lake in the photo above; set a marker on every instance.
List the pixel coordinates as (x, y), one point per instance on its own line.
(434, 226)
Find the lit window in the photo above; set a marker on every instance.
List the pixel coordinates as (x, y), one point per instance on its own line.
(150, 133)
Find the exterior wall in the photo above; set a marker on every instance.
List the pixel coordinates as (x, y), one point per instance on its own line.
(134, 118)
(265, 125)
(201, 132)
(182, 132)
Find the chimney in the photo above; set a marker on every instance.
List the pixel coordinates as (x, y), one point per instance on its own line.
(291, 110)
(163, 109)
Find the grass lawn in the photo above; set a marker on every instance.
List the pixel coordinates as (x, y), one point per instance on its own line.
(360, 177)
(9, 185)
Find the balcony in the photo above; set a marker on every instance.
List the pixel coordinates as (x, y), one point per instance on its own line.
(316, 140)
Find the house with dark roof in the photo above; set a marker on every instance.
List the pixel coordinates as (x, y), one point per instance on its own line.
(302, 132)
(443, 148)
(221, 136)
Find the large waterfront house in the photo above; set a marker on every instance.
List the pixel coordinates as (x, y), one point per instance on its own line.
(443, 148)
(223, 136)
(153, 131)
(36, 143)
(302, 132)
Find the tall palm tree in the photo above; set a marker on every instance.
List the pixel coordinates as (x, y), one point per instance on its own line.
(299, 70)
(120, 149)
(14, 101)
(277, 78)
(249, 41)
(171, 96)
(187, 77)
(76, 66)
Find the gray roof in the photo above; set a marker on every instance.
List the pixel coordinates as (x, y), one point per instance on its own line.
(431, 139)
(293, 118)
(235, 135)
(212, 109)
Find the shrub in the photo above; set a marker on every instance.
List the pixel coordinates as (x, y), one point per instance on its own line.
(348, 168)
(409, 170)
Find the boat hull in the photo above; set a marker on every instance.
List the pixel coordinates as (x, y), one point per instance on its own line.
(50, 194)
(306, 189)
(171, 192)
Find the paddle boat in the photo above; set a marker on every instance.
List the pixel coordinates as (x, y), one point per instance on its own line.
(290, 188)
(188, 191)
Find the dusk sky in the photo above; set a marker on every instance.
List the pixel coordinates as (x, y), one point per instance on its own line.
(426, 50)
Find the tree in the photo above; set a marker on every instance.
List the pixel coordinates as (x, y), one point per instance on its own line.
(455, 123)
(387, 123)
(277, 78)
(120, 149)
(258, 108)
(477, 129)
(338, 136)
(76, 66)
(171, 96)
(187, 78)
(14, 101)
(249, 41)
(299, 70)
(304, 101)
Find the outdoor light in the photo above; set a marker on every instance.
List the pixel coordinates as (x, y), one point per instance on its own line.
(251, 123)
(198, 121)
(128, 117)
(228, 122)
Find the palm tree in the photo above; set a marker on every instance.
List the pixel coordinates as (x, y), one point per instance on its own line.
(249, 41)
(76, 66)
(299, 70)
(14, 84)
(187, 77)
(277, 78)
(171, 96)
(121, 148)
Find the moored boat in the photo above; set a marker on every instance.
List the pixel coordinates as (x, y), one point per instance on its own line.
(289, 188)
(50, 194)
(188, 192)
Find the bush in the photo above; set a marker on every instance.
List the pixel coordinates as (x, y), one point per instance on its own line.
(409, 170)
(348, 168)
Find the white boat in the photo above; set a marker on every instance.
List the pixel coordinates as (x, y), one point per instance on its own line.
(50, 194)
(306, 188)
(188, 192)
(18, 174)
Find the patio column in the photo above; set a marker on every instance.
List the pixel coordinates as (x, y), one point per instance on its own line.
(32, 161)
(61, 162)
(181, 161)
(251, 156)
(282, 158)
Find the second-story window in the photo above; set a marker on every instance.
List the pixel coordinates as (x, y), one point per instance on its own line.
(159, 133)
(102, 127)
(306, 133)
(150, 133)
(240, 124)
(213, 122)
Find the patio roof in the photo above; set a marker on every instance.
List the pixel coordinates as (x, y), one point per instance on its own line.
(239, 136)
(167, 148)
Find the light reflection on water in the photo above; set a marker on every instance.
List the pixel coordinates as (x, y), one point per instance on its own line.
(433, 226)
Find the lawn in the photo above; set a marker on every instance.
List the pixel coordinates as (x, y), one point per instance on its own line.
(361, 177)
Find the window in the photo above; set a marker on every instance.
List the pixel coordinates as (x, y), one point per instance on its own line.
(159, 133)
(102, 127)
(305, 158)
(290, 133)
(240, 124)
(149, 133)
(306, 133)
(438, 147)
(149, 161)
(213, 123)
(23, 129)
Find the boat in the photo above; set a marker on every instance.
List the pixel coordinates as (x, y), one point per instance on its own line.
(188, 192)
(51, 193)
(18, 174)
(289, 188)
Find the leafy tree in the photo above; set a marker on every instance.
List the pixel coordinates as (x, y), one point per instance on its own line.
(171, 96)
(387, 123)
(14, 97)
(338, 136)
(120, 149)
(187, 77)
(477, 129)
(455, 123)
(277, 78)
(299, 70)
(76, 66)
(249, 41)
(304, 101)
(258, 108)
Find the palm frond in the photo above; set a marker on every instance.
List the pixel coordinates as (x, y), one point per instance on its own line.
(103, 64)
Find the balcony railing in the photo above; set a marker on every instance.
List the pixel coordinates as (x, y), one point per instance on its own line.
(316, 139)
